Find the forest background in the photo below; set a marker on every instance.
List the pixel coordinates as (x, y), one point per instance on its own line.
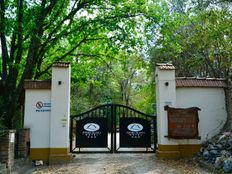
(112, 45)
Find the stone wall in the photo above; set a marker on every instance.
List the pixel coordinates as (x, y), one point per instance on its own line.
(3, 168)
(7, 146)
(22, 143)
(14, 144)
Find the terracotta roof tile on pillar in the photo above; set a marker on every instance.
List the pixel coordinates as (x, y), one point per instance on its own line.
(37, 84)
(165, 66)
(200, 82)
(61, 64)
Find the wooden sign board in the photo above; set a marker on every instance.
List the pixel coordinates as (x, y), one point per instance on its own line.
(182, 122)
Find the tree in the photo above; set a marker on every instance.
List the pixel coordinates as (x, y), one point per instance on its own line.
(122, 80)
(197, 42)
(125, 74)
(34, 34)
(92, 84)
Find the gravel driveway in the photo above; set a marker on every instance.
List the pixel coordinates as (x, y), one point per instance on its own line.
(123, 164)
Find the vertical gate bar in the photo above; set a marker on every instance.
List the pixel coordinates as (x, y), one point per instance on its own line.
(119, 112)
(115, 127)
(155, 132)
(124, 109)
(117, 108)
(105, 113)
(112, 126)
(127, 112)
(71, 135)
(150, 130)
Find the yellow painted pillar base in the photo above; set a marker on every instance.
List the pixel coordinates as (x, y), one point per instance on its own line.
(59, 155)
(39, 154)
(177, 151)
(51, 155)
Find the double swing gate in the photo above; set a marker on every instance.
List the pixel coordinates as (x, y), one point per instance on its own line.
(113, 128)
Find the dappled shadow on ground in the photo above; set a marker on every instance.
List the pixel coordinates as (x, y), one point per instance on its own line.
(124, 164)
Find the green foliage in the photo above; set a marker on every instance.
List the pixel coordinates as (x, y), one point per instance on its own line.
(104, 40)
(35, 34)
(197, 42)
(123, 80)
(144, 98)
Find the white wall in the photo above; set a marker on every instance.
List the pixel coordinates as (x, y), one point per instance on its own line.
(165, 95)
(36, 118)
(60, 114)
(47, 111)
(211, 101)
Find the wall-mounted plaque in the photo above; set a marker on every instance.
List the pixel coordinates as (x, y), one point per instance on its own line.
(183, 122)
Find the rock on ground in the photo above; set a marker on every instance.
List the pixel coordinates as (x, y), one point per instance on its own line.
(218, 152)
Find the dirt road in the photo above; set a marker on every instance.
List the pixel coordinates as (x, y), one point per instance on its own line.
(123, 164)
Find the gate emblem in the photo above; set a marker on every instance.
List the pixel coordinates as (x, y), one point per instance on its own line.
(135, 127)
(91, 127)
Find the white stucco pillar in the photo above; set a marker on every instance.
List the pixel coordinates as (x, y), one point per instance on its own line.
(165, 95)
(60, 112)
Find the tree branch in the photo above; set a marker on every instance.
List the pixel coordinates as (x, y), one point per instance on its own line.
(62, 57)
(69, 16)
(98, 56)
(35, 42)
(5, 56)
(20, 32)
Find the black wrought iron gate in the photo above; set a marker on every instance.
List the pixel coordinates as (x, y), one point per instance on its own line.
(113, 128)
